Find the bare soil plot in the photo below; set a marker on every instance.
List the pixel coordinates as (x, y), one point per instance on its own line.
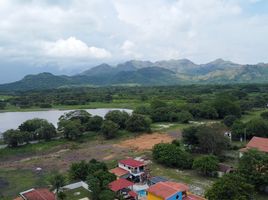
(145, 141)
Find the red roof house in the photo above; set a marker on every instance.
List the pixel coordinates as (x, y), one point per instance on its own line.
(120, 184)
(38, 194)
(119, 172)
(258, 143)
(131, 162)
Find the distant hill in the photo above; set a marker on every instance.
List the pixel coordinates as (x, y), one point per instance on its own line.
(134, 72)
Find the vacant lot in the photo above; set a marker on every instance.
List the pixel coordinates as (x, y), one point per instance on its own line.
(146, 141)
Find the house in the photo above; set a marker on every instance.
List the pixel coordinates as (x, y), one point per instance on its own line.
(37, 194)
(131, 169)
(224, 169)
(123, 187)
(258, 143)
(170, 191)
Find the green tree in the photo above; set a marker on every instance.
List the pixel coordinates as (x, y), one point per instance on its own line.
(47, 131)
(257, 127)
(264, 115)
(172, 156)
(229, 120)
(142, 110)
(107, 195)
(61, 196)
(56, 181)
(189, 135)
(211, 139)
(238, 129)
(94, 186)
(118, 117)
(230, 187)
(94, 123)
(109, 129)
(184, 117)
(79, 171)
(13, 137)
(207, 165)
(138, 123)
(226, 106)
(253, 165)
(81, 115)
(71, 129)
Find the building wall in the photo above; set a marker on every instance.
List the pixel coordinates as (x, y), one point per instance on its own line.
(174, 197)
(151, 196)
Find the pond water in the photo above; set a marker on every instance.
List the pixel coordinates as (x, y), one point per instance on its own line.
(11, 120)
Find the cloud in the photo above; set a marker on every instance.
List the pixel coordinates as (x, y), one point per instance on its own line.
(74, 48)
(84, 33)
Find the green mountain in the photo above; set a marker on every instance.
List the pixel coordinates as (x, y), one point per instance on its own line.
(135, 72)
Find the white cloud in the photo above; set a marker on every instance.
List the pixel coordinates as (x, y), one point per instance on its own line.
(74, 48)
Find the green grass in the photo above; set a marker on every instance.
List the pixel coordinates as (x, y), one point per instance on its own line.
(5, 97)
(189, 177)
(30, 148)
(77, 194)
(130, 104)
(252, 114)
(18, 181)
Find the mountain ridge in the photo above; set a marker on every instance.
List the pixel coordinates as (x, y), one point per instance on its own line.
(136, 72)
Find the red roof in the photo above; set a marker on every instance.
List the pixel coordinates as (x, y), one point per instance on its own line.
(167, 189)
(120, 184)
(131, 162)
(132, 193)
(257, 143)
(39, 194)
(119, 171)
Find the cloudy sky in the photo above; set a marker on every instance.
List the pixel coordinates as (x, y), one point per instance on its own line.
(67, 36)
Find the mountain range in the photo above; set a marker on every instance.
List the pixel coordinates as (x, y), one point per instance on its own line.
(135, 72)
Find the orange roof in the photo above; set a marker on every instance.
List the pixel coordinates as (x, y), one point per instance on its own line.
(167, 189)
(119, 171)
(39, 194)
(120, 184)
(257, 143)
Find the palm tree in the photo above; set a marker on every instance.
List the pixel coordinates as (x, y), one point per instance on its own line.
(57, 181)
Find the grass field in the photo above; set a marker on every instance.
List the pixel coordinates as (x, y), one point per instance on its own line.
(252, 114)
(77, 194)
(13, 181)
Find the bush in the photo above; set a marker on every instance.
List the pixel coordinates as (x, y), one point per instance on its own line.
(264, 115)
(172, 156)
(13, 137)
(184, 117)
(206, 165)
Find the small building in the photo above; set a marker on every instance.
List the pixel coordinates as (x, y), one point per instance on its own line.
(224, 169)
(37, 194)
(258, 143)
(131, 169)
(123, 187)
(170, 191)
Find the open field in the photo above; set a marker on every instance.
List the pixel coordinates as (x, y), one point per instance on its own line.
(252, 114)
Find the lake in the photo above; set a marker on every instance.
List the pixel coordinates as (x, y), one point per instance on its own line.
(11, 120)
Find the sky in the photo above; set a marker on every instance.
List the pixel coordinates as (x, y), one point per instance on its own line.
(68, 36)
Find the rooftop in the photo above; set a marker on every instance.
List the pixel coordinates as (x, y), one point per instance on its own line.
(167, 189)
(120, 184)
(257, 143)
(131, 162)
(38, 194)
(119, 171)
